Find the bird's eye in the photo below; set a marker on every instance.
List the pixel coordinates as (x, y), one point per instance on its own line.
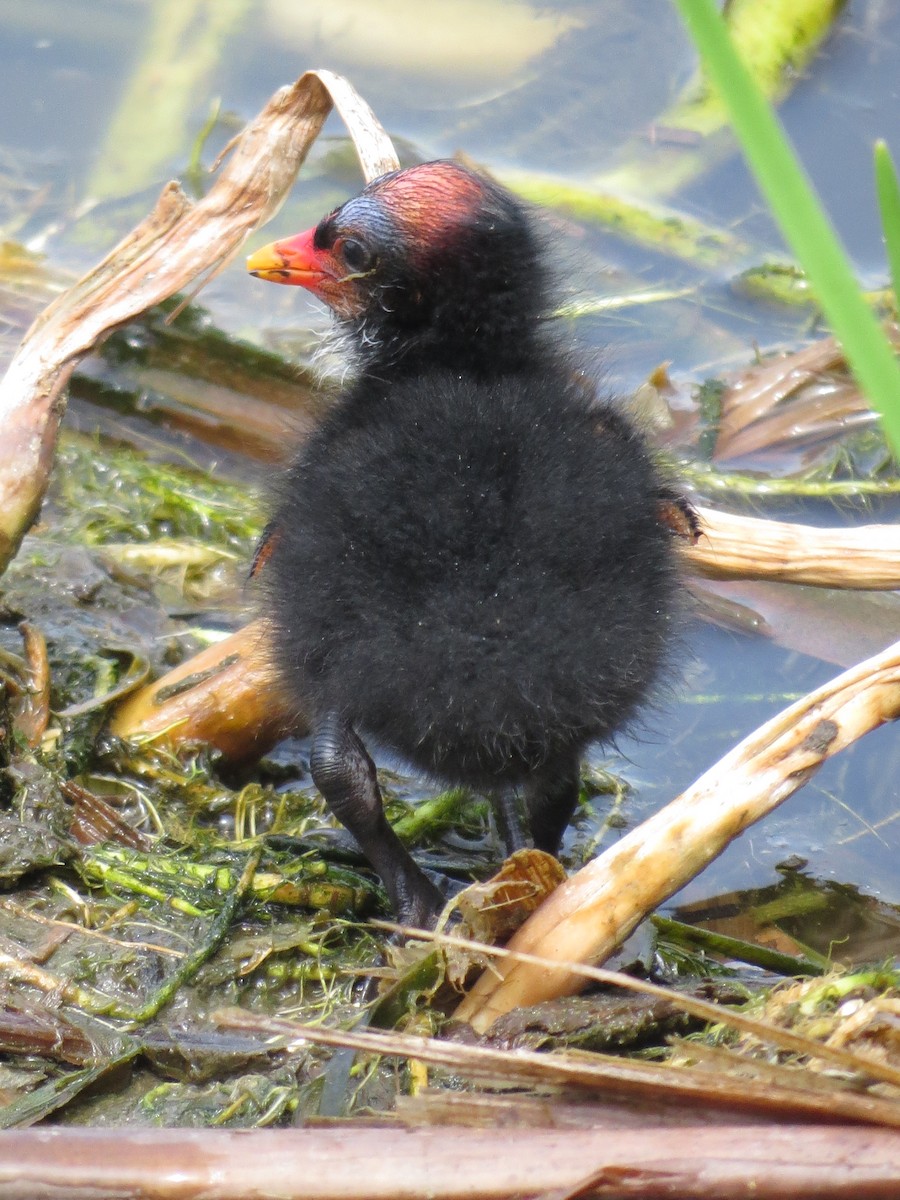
(357, 257)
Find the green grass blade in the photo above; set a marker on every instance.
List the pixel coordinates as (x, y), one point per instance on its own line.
(800, 216)
(888, 190)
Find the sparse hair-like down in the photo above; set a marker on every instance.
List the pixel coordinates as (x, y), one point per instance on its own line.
(463, 273)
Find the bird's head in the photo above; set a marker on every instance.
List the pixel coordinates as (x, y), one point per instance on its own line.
(434, 260)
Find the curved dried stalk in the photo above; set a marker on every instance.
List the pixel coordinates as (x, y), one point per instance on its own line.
(737, 547)
(586, 918)
(177, 242)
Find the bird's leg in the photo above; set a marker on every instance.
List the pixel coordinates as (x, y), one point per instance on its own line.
(345, 775)
(507, 806)
(550, 801)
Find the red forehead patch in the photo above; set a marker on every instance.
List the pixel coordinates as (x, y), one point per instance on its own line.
(432, 201)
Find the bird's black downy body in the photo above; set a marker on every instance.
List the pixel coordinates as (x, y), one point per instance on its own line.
(469, 563)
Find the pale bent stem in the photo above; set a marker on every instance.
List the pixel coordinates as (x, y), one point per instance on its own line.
(175, 244)
(592, 913)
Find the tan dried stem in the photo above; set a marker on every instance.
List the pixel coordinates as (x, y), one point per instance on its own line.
(179, 241)
(592, 913)
(704, 1160)
(32, 721)
(610, 1072)
(737, 547)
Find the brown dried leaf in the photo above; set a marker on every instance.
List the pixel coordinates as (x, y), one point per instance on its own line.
(95, 820)
(493, 910)
(803, 396)
(759, 389)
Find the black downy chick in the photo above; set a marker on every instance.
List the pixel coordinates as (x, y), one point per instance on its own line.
(469, 562)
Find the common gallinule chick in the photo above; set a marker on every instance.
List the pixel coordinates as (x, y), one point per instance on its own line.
(469, 561)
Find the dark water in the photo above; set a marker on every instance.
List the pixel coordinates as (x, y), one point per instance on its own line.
(559, 88)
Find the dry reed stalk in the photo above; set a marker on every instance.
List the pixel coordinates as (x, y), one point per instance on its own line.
(738, 547)
(785, 1092)
(451, 1163)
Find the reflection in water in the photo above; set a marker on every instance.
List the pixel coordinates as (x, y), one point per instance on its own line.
(802, 913)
